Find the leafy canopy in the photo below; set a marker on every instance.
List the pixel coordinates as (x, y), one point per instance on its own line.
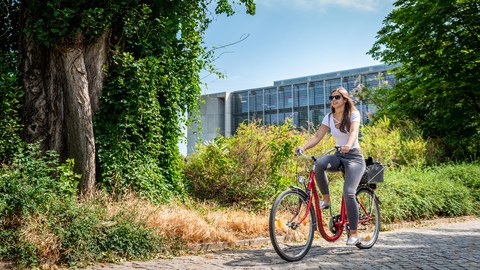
(437, 42)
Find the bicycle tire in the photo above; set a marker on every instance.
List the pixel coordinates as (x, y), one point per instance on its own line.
(290, 238)
(368, 229)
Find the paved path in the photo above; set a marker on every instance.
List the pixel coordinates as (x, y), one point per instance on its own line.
(445, 246)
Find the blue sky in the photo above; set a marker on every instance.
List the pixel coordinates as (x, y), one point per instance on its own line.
(292, 38)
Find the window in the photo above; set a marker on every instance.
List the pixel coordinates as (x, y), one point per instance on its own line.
(316, 95)
(300, 94)
(316, 116)
(241, 103)
(288, 98)
(271, 99)
(281, 98)
(251, 101)
(274, 119)
(285, 98)
(301, 117)
(331, 85)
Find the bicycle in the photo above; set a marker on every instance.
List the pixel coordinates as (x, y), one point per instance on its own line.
(296, 214)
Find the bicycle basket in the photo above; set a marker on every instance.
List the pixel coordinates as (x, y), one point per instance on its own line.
(374, 172)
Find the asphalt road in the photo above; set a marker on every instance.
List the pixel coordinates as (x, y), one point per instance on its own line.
(443, 246)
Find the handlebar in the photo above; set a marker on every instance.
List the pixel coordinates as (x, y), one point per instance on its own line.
(300, 153)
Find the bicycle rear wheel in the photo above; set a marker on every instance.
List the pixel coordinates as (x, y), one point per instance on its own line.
(369, 218)
(291, 237)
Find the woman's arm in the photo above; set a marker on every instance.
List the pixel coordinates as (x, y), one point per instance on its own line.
(316, 138)
(354, 128)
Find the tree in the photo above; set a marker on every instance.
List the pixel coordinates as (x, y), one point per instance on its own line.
(437, 42)
(71, 51)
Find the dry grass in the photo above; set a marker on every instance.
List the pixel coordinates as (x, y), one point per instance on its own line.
(36, 231)
(193, 222)
(179, 224)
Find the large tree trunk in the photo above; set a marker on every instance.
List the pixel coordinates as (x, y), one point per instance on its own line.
(63, 86)
(78, 117)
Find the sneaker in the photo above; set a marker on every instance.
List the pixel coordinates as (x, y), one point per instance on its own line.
(325, 205)
(352, 241)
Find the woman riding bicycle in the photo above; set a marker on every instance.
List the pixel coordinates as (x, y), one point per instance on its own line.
(344, 124)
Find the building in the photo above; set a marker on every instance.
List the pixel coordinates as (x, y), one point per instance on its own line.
(303, 99)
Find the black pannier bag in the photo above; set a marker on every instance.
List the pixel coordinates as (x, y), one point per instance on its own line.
(374, 172)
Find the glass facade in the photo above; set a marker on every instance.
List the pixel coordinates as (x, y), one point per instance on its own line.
(305, 99)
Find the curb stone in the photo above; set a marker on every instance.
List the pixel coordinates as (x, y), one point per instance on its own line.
(224, 245)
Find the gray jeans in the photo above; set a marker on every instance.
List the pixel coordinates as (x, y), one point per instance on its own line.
(354, 164)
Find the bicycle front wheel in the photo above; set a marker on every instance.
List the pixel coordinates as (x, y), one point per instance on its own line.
(291, 228)
(369, 218)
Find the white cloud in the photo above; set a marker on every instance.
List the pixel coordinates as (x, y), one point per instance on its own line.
(364, 5)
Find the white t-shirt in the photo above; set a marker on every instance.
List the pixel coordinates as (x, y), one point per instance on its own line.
(340, 137)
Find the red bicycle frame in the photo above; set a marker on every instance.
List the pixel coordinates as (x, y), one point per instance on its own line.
(315, 200)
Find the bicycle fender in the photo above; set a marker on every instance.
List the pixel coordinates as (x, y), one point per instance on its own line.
(300, 191)
(371, 190)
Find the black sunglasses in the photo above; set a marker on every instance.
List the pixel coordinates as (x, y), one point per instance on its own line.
(336, 97)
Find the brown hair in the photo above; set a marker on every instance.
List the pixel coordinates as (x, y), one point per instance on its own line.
(349, 107)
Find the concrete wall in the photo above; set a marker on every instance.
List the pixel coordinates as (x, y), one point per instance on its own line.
(215, 117)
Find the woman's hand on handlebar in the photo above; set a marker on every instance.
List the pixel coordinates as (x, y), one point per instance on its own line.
(344, 149)
(298, 151)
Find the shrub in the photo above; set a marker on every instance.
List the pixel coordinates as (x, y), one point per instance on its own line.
(381, 141)
(248, 168)
(410, 194)
(256, 163)
(414, 193)
(10, 104)
(398, 146)
(34, 182)
(42, 223)
(465, 174)
(87, 234)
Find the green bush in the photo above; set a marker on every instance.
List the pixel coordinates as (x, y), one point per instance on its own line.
(398, 146)
(465, 174)
(42, 222)
(256, 163)
(247, 169)
(34, 182)
(11, 94)
(87, 235)
(410, 194)
(414, 193)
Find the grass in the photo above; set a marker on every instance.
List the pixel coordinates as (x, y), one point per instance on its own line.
(195, 222)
